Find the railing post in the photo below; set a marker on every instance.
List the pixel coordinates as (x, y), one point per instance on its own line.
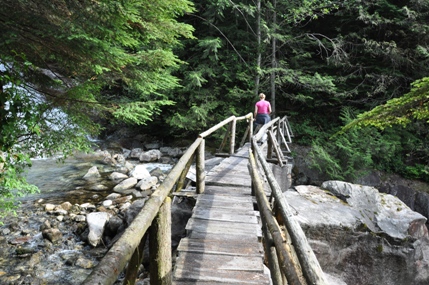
(251, 129)
(200, 168)
(233, 129)
(134, 263)
(160, 246)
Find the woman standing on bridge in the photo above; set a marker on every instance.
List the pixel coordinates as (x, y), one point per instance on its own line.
(262, 111)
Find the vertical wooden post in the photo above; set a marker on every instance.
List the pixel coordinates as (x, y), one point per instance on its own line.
(160, 246)
(251, 129)
(233, 129)
(200, 168)
(134, 263)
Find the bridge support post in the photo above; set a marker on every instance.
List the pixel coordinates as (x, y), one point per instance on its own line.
(160, 246)
(200, 168)
(282, 174)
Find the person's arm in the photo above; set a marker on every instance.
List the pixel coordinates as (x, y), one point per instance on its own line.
(269, 108)
(256, 111)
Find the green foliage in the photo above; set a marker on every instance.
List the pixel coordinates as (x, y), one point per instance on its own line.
(64, 65)
(398, 111)
(348, 155)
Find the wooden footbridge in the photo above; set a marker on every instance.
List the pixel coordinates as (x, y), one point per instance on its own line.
(241, 230)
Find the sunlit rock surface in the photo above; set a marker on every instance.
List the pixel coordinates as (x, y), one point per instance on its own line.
(362, 236)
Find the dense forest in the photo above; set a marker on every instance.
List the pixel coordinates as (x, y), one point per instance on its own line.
(352, 76)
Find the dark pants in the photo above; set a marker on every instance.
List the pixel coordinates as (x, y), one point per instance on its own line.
(261, 119)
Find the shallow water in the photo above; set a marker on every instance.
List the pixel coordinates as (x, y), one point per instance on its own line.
(62, 181)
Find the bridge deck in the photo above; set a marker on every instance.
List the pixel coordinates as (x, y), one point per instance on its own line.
(223, 235)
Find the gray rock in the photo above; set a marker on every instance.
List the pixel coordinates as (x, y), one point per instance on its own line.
(380, 212)
(126, 184)
(150, 156)
(135, 153)
(53, 235)
(348, 249)
(92, 173)
(98, 187)
(117, 176)
(147, 183)
(133, 210)
(114, 224)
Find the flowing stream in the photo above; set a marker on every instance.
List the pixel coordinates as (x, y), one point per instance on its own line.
(46, 263)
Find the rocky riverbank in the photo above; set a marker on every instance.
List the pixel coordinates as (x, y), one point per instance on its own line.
(59, 241)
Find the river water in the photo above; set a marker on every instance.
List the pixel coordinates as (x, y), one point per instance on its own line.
(58, 182)
(63, 181)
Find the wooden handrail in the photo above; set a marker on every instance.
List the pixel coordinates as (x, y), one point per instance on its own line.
(129, 245)
(112, 264)
(310, 265)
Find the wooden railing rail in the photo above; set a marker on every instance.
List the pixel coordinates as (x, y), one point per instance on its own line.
(309, 264)
(128, 249)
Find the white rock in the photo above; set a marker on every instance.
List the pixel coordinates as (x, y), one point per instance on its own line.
(87, 206)
(96, 222)
(140, 172)
(49, 207)
(126, 184)
(80, 218)
(107, 203)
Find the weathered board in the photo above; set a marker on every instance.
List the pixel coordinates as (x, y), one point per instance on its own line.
(223, 243)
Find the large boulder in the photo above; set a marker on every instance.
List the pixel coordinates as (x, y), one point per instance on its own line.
(362, 236)
(380, 212)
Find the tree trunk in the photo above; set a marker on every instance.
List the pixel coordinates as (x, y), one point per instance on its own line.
(273, 61)
(258, 35)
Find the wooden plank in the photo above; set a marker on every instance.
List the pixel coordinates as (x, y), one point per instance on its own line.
(221, 215)
(226, 199)
(212, 246)
(230, 191)
(190, 276)
(243, 238)
(236, 206)
(222, 227)
(211, 264)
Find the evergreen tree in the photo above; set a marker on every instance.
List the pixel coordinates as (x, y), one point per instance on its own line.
(64, 63)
